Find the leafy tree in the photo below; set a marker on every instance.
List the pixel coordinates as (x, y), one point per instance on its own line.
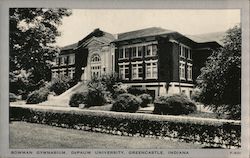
(33, 32)
(220, 79)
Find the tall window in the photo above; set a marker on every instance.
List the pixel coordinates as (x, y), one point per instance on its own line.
(95, 66)
(189, 54)
(151, 50)
(137, 71)
(182, 70)
(71, 73)
(151, 69)
(124, 71)
(189, 72)
(121, 56)
(126, 52)
(134, 53)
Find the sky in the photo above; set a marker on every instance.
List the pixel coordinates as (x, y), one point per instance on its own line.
(185, 21)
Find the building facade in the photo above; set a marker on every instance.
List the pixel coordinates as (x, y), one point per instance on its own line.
(163, 61)
(90, 57)
(160, 60)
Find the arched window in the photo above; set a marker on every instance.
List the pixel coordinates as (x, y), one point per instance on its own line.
(95, 58)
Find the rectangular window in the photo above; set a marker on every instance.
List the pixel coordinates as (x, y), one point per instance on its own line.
(71, 60)
(182, 70)
(134, 52)
(126, 52)
(185, 52)
(151, 69)
(189, 72)
(151, 50)
(154, 50)
(124, 71)
(140, 49)
(189, 56)
(148, 50)
(120, 53)
(71, 73)
(137, 71)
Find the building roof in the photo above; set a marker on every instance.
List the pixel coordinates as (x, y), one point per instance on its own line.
(208, 37)
(102, 36)
(71, 46)
(152, 31)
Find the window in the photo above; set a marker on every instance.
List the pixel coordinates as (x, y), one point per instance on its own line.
(189, 72)
(126, 52)
(151, 50)
(95, 66)
(71, 60)
(121, 53)
(151, 69)
(63, 60)
(182, 70)
(139, 51)
(148, 50)
(137, 71)
(71, 73)
(95, 58)
(124, 71)
(189, 54)
(185, 52)
(136, 52)
(154, 50)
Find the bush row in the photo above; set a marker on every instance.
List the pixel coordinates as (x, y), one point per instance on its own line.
(212, 132)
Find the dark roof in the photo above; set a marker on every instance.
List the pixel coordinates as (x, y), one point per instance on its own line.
(71, 46)
(152, 31)
(100, 35)
(208, 37)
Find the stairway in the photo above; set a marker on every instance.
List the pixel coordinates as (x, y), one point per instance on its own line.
(63, 99)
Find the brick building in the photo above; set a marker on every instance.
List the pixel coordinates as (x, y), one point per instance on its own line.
(163, 61)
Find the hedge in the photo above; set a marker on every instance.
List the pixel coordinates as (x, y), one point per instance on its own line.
(210, 132)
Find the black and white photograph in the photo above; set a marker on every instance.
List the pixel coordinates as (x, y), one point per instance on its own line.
(125, 82)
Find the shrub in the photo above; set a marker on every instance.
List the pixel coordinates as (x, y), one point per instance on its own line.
(59, 85)
(96, 95)
(118, 89)
(176, 104)
(126, 103)
(146, 99)
(77, 98)
(38, 96)
(212, 132)
(136, 91)
(12, 97)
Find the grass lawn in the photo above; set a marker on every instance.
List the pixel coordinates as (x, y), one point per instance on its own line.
(28, 135)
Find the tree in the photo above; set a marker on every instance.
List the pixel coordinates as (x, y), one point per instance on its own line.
(220, 79)
(32, 34)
